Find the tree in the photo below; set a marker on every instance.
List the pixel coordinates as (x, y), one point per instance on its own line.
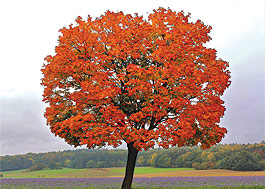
(37, 167)
(67, 163)
(54, 165)
(123, 78)
(163, 161)
(153, 159)
(242, 161)
(141, 161)
(90, 164)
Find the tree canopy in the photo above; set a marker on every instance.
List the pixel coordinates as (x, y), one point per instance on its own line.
(123, 78)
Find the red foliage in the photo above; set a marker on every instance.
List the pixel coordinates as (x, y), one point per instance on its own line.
(120, 77)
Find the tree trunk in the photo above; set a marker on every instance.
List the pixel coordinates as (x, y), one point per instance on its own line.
(131, 161)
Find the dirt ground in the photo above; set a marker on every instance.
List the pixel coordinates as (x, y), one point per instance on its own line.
(203, 173)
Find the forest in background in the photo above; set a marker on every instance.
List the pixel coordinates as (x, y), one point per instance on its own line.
(242, 157)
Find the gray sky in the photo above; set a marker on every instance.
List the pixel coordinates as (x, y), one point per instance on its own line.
(29, 32)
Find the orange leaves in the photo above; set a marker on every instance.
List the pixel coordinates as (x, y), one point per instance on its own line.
(122, 78)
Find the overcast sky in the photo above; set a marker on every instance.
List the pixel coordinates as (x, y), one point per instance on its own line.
(29, 32)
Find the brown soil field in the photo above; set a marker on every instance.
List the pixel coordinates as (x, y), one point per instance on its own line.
(203, 173)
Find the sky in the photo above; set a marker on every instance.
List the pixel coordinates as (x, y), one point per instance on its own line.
(29, 32)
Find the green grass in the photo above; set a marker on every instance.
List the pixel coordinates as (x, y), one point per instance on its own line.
(148, 170)
(103, 172)
(41, 173)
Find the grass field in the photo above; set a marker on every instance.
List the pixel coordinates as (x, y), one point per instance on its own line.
(119, 172)
(79, 173)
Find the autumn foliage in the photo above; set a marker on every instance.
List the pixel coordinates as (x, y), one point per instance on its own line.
(123, 78)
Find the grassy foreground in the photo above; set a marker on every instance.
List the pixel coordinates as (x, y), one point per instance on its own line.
(119, 172)
(81, 173)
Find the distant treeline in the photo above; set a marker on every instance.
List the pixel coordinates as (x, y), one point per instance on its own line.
(246, 157)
